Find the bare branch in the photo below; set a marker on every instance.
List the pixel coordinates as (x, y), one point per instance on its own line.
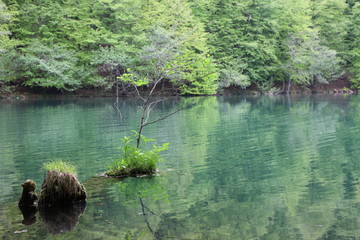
(116, 105)
(138, 93)
(168, 115)
(157, 81)
(147, 112)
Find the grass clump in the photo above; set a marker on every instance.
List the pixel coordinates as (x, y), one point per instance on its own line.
(60, 166)
(61, 185)
(135, 161)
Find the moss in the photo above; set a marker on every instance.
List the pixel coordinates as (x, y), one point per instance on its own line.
(131, 171)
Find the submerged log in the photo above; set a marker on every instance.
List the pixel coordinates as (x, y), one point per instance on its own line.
(60, 188)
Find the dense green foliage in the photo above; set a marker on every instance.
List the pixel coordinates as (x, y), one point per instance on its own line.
(194, 47)
(354, 51)
(135, 161)
(309, 61)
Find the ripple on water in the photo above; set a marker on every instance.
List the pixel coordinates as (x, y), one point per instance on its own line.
(235, 168)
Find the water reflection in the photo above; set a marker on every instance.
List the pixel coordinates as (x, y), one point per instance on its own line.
(273, 167)
(61, 219)
(28, 213)
(57, 219)
(140, 191)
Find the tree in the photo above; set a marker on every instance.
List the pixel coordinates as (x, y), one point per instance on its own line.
(354, 39)
(50, 67)
(5, 17)
(247, 32)
(156, 58)
(240, 43)
(309, 61)
(71, 23)
(161, 59)
(233, 76)
(331, 19)
(9, 65)
(8, 57)
(292, 16)
(110, 62)
(200, 76)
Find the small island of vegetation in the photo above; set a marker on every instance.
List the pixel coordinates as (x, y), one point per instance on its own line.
(135, 161)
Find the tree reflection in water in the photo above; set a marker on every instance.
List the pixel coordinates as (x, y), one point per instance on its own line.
(59, 219)
(28, 213)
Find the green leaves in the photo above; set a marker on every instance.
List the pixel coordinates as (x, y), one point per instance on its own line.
(196, 47)
(5, 20)
(242, 31)
(232, 77)
(200, 76)
(354, 53)
(130, 78)
(135, 161)
(53, 67)
(309, 61)
(331, 19)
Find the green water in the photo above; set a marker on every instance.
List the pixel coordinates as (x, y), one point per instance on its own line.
(271, 167)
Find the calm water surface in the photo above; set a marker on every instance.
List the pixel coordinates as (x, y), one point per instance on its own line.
(237, 168)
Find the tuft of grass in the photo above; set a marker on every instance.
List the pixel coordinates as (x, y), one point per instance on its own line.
(59, 165)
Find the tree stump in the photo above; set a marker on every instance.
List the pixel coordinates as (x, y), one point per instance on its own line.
(60, 188)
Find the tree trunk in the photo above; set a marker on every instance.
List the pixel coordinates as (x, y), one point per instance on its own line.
(139, 136)
(288, 87)
(142, 123)
(117, 86)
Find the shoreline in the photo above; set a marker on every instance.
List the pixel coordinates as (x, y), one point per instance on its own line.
(24, 96)
(340, 86)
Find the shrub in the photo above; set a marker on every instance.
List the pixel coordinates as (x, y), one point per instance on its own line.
(135, 161)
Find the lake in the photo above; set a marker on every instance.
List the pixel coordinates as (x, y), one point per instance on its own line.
(262, 167)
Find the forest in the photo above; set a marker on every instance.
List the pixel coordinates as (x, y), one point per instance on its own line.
(191, 47)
